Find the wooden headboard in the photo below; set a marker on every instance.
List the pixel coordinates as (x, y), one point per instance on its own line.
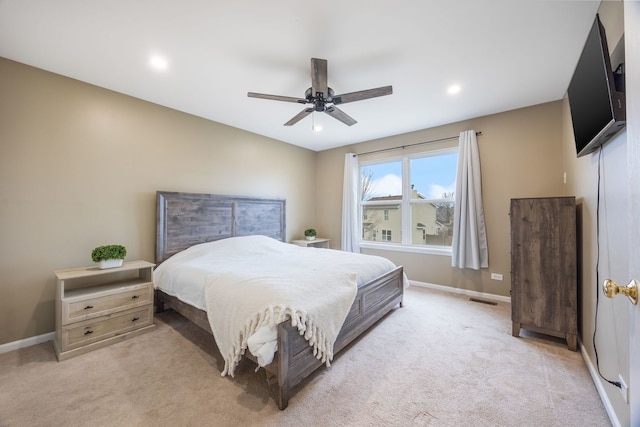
(187, 219)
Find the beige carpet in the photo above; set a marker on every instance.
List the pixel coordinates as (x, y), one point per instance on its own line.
(441, 360)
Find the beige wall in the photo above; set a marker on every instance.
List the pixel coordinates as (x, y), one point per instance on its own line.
(79, 168)
(521, 156)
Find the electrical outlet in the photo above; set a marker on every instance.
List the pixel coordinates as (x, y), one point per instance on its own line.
(496, 276)
(624, 389)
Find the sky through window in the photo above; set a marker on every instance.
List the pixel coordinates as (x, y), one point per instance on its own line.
(431, 176)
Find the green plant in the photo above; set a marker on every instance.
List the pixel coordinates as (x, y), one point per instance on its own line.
(102, 253)
(310, 232)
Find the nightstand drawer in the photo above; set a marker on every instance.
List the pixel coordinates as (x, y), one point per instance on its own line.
(106, 301)
(83, 333)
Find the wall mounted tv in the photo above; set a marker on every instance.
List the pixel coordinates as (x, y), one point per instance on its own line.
(596, 94)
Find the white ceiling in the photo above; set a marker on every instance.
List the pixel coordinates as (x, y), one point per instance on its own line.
(505, 54)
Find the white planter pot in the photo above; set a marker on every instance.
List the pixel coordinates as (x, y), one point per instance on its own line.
(311, 237)
(110, 263)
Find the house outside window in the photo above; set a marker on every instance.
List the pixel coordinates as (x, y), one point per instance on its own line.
(413, 196)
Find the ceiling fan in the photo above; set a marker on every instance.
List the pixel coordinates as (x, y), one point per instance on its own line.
(323, 98)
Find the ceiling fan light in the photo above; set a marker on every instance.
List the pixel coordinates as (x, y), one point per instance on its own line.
(315, 127)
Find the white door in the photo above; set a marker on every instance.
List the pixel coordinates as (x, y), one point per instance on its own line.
(632, 61)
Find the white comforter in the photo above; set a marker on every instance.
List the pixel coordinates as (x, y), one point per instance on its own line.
(249, 284)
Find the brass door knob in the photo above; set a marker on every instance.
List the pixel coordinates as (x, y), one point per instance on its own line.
(611, 289)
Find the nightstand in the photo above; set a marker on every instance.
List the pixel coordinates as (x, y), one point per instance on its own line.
(318, 242)
(95, 308)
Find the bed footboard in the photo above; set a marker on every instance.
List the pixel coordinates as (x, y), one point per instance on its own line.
(295, 359)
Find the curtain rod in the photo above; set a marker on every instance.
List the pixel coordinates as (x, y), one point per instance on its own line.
(411, 145)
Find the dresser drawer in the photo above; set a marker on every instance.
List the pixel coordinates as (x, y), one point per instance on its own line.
(83, 333)
(105, 301)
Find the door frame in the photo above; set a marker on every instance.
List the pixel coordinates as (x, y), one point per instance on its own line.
(632, 62)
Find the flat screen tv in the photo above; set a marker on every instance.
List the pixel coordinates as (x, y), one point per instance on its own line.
(596, 94)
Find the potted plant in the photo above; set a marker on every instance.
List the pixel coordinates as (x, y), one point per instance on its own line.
(109, 256)
(310, 234)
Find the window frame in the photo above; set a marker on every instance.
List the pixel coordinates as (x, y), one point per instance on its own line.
(405, 204)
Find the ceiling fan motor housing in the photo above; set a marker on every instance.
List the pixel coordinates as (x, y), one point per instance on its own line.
(319, 101)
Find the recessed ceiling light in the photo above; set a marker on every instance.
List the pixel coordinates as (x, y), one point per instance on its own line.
(453, 89)
(158, 63)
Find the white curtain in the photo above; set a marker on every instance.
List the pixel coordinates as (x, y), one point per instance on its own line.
(469, 234)
(350, 240)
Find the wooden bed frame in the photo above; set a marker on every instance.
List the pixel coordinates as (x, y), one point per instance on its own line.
(186, 219)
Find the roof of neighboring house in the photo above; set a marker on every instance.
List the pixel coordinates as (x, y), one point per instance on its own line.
(384, 198)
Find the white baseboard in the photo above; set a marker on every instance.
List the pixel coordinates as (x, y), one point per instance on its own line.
(474, 294)
(598, 383)
(27, 342)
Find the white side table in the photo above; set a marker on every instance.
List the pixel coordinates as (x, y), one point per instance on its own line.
(318, 242)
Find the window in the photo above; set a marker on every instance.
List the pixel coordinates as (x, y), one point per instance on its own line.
(412, 197)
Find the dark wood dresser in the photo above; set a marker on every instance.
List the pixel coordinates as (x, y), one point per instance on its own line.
(544, 284)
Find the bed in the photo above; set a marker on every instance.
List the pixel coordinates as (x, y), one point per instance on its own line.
(188, 221)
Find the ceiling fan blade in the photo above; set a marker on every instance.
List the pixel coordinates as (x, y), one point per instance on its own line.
(277, 97)
(337, 113)
(301, 115)
(362, 94)
(318, 76)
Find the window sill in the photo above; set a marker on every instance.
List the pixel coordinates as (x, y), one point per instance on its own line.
(430, 250)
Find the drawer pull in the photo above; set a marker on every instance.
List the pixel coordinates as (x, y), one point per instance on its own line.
(135, 318)
(135, 297)
(88, 332)
(88, 307)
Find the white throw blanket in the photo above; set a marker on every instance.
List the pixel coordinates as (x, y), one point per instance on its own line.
(317, 302)
(250, 284)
